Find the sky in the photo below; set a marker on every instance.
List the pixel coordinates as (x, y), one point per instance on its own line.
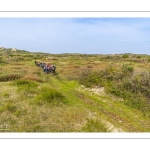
(77, 35)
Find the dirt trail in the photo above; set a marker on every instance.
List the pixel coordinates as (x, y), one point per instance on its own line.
(112, 128)
(100, 91)
(96, 90)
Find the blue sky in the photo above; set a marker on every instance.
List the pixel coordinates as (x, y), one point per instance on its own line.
(76, 35)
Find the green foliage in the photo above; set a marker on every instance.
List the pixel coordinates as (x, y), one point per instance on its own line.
(149, 59)
(27, 88)
(38, 102)
(6, 95)
(139, 56)
(94, 126)
(1, 61)
(90, 78)
(125, 56)
(49, 95)
(103, 77)
(123, 82)
(8, 107)
(26, 83)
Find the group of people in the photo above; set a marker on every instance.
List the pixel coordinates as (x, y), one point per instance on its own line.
(47, 68)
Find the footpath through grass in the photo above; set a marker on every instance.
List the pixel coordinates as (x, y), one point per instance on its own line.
(32, 101)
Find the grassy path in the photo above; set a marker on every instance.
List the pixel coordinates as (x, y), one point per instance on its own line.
(44, 103)
(102, 109)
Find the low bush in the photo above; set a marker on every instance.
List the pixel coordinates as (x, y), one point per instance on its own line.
(49, 95)
(90, 78)
(149, 59)
(123, 82)
(125, 56)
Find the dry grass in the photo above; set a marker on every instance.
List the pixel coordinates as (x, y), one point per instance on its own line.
(81, 110)
(32, 77)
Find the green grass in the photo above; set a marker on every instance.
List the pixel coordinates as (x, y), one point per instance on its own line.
(9, 77)
(9, 107)
(94, 126)
(123, 82)
(39, 102)
(49, 95)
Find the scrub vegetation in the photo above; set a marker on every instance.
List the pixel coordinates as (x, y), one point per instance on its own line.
(88, 93)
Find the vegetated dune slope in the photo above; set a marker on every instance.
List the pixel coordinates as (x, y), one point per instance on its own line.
(88, 93)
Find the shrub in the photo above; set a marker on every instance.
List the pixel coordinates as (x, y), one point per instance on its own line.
(127, 70)
(1, 60)
(139, 56)
(125, 56)
(49, 95)
(134, 89)
(123, 82)
(90, 78)
(149, 59)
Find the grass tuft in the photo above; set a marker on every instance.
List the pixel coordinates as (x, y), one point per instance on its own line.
(8, 107)
(26, 83)
(49, 95)
(94, 126)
